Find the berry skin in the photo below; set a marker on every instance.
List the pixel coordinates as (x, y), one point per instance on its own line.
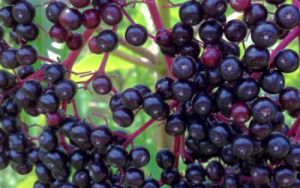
(6, 79)
(210, 31)
(136, 35)
(79, 159)
(23, 12)
(107, 40)
(102, 136)
(182, 33)
(6, 17)
(115, 101)
(292, 158)
(55, 72)
(91, 19)
(183, 67)
(231, 68)
(214, 8)
(272, 81)
(11, 124)
(28, 32)
(211, 57)
(240, 112)
(242, 146)
(93, 46)
(286, 61)
(49, 102)
(182, 90)
(139, 156)
(289, 98)
(75, 41)
(123, 116)
(71, 19)
(287, 17)
(56, 160)
(195, 173)
(66, 89)
(165, 159)
(9, 59)
(164, 37)
(80, 3)
(263, 110)
(278, 145)
(53, 11)
(48, 140)
(112, 14)
(191, 13)
(144, 89)
(284, 175)
(134, 177)
(259, 131)
(170, 176)
(192, 49)
(225, 97)
(197, 129)
(215, 171)
(254, 14)
(132, 98)
(117, 156)
(240, 5)
(247, 89)
(81, 178)
(32, 89)
(153, 105)
(43, 173)
(176, 124)
(163, 87)
(27, 55)
(235, 30)
(264, 34)
(98, 171)
(102, 84)
(220, 134)
(58, 33)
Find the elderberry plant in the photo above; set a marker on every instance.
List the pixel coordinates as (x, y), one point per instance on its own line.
(226, 98)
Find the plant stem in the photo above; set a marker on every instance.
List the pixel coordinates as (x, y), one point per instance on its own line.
(75, 108)
(294, 128)
(65, 144)
(46, 59)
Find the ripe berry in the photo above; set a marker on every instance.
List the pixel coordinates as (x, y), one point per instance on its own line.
(10, 124)
(240, 112)
(144, 89)
(99, 4)
(9, 59)
(163, 87)
(215, 171)
(284, 175)
(71, 19)
(182, 33)
(54, 9)
(32, 89)
(192, 49)
(48, 140)
(134, 177)
(80, 132)
(170, 176)
(102, 136)
(195, 173)
(254, 14)
(115, 101)
(153, 105)
(278, 145)
(150, 182)
(28, 32)
(197, 129)
(164, 37)
(6, 79)
(287, 16)
(11, 107)
(66, 90)
(55, 72)
(123, 116)
(62, 174)
(292, 158)
(191, 13)
(170, 51)
(75, 41)
(107, 40)
(182, 90)
(139, 156)
(214, 8)
(259, 131)
(242, 146)
(117, 156)
(220, 134)
(231, 69)
(263, 110)
(165, 159)
(176, 124)
(27, 55)
(225, 97)
(91, 18)
(207, 147)
(6, 17)
(79, 159)
(43, 173)
(272, 81)
(112, 14)
(58, 33)
(136, 35)
(247, 89)
(286, 61)
(98, 171)
(56, 159)
(210, 31)
(264, 34)
(289, 98)
(33, 155)
(24, 12)
(183, 67)
(235, 30)
(81, 178)
(102, 84)
(49, 102)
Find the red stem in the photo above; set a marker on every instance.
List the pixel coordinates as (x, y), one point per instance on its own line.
(65, 144)
(294, 128)
(176, 150)
(75, 108)
(46, 59)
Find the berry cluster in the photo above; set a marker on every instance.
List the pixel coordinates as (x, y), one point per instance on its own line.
(211, 102)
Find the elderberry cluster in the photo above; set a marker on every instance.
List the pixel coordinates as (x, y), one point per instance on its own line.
(211, 102)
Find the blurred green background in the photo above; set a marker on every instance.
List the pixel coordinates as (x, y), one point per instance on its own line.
(132, 65)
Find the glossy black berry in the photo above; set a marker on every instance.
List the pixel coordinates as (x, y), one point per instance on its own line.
(48, 140)
(272, 81)
(56, 159)
(210, 31)
(286, 61)
(165, 159)
(123, 116)
(102, 136)
(195, 173)
(163, 87)
(6, 17)
(98, 171)
(242, 146)
(139, 156)
(24, 12)
(136, 35)
(102, 84)
(215, 171)
(176, 124)
(263, 110)
(284, 175)
(183, 67)
(182, 90)
(54, 9)
(278, 145)
(214, 8)
(182, 33)
(71, 19)
(170, 176)
(287, 16)
(254, 14)
(117, 156)
(107, 40)
(112, 14)
(235, 30)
